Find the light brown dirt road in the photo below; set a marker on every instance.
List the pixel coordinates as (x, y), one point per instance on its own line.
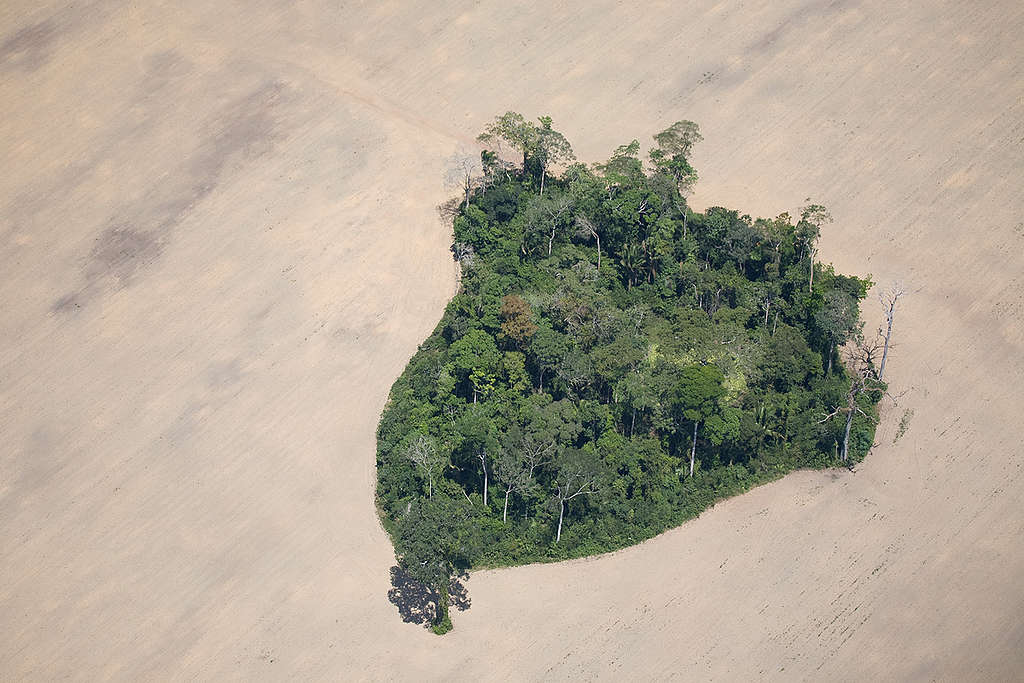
(219, 248)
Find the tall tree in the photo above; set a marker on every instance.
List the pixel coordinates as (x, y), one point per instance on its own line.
(630, 260)
(624, 165)
(696, 398)
(541, 144)
(776, 233)
(479, 435)
(576, 475)
(428, 458)
(679, 138)
(888, 299)
(808, 230)
(524, 451)
(514, 129)
(510, 471)
(544, 219)
(552, 148)
(672, 153)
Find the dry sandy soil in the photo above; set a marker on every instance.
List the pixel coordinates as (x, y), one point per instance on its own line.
(219, 247)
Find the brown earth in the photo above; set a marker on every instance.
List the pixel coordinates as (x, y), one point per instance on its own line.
(219, 248)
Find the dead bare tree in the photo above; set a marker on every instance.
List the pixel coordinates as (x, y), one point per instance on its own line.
(888, 299)
(859, 360)
(464, 171)
(428, 458)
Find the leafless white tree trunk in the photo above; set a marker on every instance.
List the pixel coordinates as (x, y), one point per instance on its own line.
(504, 512)
(517, 463)
(693, 447)
(482, 456)
(573, 483)
(850, 410)
(563, 500)
(888, 299)
(812, 252)
(424, 453)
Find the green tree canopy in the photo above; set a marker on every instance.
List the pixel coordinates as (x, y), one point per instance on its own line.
(613, 362)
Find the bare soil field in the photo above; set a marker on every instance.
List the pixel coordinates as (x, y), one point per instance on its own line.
(219, 248)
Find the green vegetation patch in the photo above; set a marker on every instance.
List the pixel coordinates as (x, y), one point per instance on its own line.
(613, 362)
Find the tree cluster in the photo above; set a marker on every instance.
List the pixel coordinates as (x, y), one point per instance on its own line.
(613, 362)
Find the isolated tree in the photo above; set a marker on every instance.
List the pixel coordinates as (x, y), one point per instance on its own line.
(808, 230)
(428, 458)
(888, 299)
(576, 475)
(696, 398)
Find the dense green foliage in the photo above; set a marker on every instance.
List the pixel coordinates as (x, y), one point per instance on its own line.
(612, 364)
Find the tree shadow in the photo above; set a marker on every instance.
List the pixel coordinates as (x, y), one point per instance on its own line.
(417, 603)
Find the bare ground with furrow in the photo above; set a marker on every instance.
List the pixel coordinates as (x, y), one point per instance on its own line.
(219, 247)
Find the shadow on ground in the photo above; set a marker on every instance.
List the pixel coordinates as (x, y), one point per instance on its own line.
(417, 603)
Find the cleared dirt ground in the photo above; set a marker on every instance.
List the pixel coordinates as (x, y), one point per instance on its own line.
(218, 248)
